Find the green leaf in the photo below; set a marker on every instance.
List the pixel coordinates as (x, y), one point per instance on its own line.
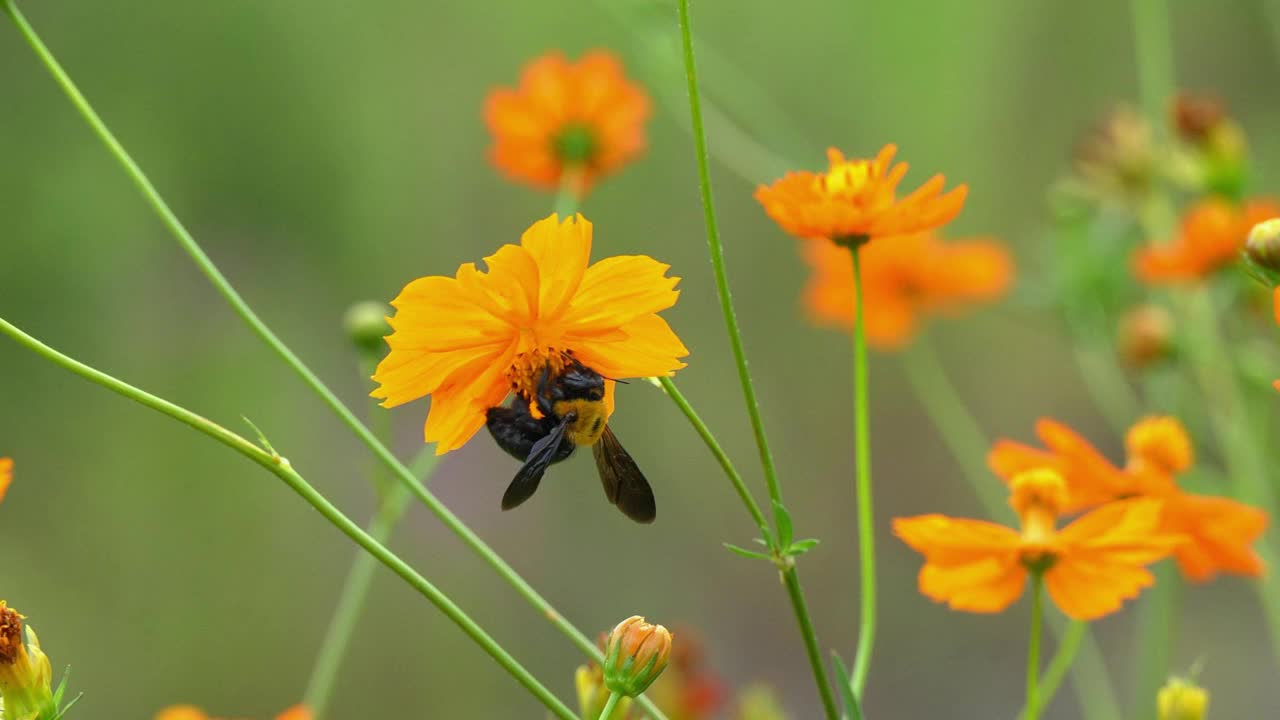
(785, 531)
(747, 553)
(852, 710)
(801, 547)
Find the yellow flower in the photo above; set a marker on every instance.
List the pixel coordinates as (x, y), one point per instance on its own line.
(1182, 700)
(25, 676)
(470, 339)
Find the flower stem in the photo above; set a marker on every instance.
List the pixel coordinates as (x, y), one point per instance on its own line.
(609, 706)
(1033, 648)
(1068, 647)
(568, 196)
(721, 456)
(246, 313)
(1156, 623)
(739, 353)
(866, 516)
(283, 469)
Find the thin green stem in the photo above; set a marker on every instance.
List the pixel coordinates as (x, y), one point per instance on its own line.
(718, 265)
(283, 469)
(1068, 648)
(721, 456)
(739, 353)
(568, 196)
(795, 592)
(1156, 625)
(1033, 648)
(238, 304)
(862, 457)
(610, 705)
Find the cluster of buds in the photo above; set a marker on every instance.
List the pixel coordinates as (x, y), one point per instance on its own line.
(25, 676)
(1214, 149)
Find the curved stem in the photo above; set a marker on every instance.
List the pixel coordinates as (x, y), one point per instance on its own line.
(237, 303)
(739, 353)
(1068, 647)
(609, 706)
(669, 386)
(1033, 649)
(283, 469)
(866, 516)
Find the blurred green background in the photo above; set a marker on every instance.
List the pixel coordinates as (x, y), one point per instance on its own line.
(326, 152)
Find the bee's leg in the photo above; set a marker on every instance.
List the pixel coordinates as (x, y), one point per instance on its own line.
(542, 393)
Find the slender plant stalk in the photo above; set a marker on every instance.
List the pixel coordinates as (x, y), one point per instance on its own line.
(739, 354)
(1033, 648)
(567, 196)
(609, 706)
(1068, 647)
(246, 313)
(1156, 625)
(966, 441)
(862, 457)
(283, 469)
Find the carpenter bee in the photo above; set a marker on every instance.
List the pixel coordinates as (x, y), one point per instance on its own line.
(571, 403)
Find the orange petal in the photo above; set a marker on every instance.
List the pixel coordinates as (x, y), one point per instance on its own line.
(182, 712)
(1220, 535)
(6, 476)
(985, 586)
(954, 541)
(618, 290)
(297, 712)
(458, 409)
(560, 252)
(1089, 588)
(646, 347)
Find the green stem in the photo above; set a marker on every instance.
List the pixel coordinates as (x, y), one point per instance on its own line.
(1156, 624)
(1033, 648)
(237, 303)
(1068, 647)
(567, 197)
(283, 469)
(609, 706)
(739, 353)
(862, 455)
(721, 456)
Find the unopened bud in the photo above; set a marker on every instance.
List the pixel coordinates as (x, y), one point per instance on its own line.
(635, 655)
(593, 695)
(1263, 247)
(25, 676)
(1146, 336)
(1194, 116)
(6, 475)
(1182, 700)
(366, 325)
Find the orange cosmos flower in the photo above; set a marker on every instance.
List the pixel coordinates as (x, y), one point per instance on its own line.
(6, 475)
(904, 280)
(1090, 567)
(468, 340)
(1220, 531)
(567, 121)
(856, 200)
(1211, 236)
(191, 712)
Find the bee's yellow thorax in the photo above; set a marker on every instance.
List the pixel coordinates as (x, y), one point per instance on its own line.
(590, 422)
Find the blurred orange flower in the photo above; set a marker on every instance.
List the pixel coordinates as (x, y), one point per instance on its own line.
(904, 280)
(1220, 531)
(1090, 567)
(468, 340)
(6, 475)
(191, 712)
(571, 122)
(856, 200)
(1211, 236)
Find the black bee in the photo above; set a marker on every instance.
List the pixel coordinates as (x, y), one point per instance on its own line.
(573, 413)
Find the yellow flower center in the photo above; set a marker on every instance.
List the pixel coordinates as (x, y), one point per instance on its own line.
(1038, 496)
(1160, 443)
(846, 179)
(527, 369)
(10, 634)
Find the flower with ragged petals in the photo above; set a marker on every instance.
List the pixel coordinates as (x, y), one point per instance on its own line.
(469, 340)
(904, 280)
(1210, 237)
(26, 678)
(567, 122)
(6, 475)
(191, 712)
(1090, 567)
(856, 200)
(1219, 531)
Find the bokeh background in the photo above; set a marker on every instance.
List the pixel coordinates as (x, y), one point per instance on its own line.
(326, 152)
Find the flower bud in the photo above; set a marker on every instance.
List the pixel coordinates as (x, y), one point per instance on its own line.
(1182, 700)
(635, 655)
(1195, 116)
(1263, 249)
(593, 695)
(6, 475)
(25, 676)
(366, 325)
(1146, 336)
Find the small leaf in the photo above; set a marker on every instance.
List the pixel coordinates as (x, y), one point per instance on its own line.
(801, 547)
(785, 531)
(844, 681)
(760, 541)
(747, 553)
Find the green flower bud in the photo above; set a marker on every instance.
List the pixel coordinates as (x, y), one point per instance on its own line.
(366, 325)
(1262, 250)
(635, 655)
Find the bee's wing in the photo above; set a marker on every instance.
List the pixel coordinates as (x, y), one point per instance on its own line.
(624, 484)
(540, 456)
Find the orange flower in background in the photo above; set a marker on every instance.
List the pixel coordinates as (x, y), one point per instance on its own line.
(857, 199)
(1090, 567)
(6, 475)
(1220, 532)
(1211, 236)
(468, 340)
(904, 280)
(567, 121)
(191, 712)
